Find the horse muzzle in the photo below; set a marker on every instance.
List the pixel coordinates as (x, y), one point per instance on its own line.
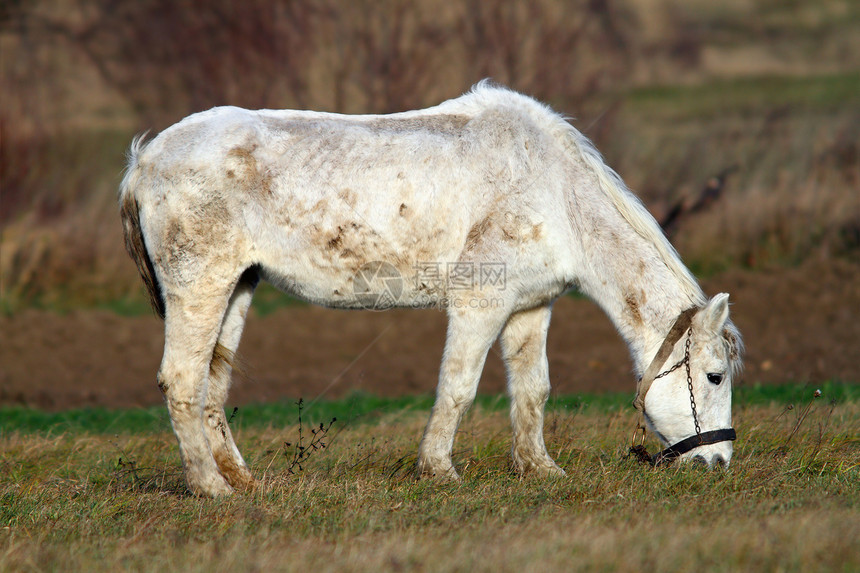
(712, 448)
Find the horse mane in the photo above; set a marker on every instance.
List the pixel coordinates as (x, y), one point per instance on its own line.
(634, 212)
(735, 348)
(485, 93)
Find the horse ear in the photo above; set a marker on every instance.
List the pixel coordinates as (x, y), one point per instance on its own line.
(716, 312)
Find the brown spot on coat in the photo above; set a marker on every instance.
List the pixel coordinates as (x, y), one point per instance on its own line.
(347, 196)
(476, 233)
(163, 386)
(319, 207)
(336, 241)
(251, 176)
(633, 307)
(237, 476)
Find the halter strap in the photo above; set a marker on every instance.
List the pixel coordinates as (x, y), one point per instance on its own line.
(684, 446)
(682, 323)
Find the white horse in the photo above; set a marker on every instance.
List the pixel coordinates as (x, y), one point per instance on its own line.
(490, 205)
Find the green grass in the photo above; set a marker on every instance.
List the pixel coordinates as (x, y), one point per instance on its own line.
(267, 299)
(755, 95)
(83, 500)
(360, 408)
(128, 306)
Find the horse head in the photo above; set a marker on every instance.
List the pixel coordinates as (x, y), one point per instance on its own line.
(688, 404)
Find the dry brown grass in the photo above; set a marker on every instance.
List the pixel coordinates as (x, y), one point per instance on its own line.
(793, 169)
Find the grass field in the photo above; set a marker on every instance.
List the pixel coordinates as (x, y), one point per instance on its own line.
(103, 490)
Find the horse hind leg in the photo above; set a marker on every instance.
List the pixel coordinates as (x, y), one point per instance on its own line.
(227, 456)
(193, 320)
(523, 343)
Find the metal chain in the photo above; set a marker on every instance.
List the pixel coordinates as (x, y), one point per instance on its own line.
(685, 361)
(672, 369)
(690, 382)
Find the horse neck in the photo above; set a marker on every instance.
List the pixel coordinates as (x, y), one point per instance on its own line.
(626, 274)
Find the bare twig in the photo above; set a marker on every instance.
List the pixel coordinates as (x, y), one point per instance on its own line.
(299, 453)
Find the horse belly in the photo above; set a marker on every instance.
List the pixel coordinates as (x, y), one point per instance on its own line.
(335, 248)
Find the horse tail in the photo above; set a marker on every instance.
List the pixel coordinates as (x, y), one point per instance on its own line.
(130, 214)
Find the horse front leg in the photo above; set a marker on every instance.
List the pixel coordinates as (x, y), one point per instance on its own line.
(523, 343)
(470, 335)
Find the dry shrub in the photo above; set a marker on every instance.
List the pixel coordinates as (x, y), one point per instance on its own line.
(61, 241)
(791, 199)
(75, 260)
(788, 192)
(171, 57)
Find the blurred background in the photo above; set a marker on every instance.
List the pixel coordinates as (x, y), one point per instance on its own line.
(736, 121)
(764, 93)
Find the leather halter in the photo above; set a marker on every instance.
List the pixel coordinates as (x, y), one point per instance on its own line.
(681, 325)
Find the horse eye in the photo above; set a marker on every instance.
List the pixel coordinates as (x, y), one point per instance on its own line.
(715, 378)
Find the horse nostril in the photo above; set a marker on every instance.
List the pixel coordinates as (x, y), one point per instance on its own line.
(719, 461)
(700, 459)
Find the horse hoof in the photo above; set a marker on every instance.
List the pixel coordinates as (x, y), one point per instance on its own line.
(553, 471)
(211, 488)
(241, 480)
(447, 475)
(548, 469)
